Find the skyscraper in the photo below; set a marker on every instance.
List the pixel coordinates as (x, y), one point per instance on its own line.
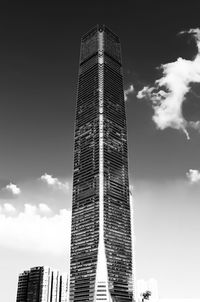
(41, 284)
(101, 242)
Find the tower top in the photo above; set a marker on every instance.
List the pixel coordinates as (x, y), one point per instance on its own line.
(100, 28)
(90, 43)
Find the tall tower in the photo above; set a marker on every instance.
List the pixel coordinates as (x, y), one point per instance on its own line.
(101, 245)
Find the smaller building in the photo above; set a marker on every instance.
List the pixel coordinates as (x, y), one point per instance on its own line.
(42, 284)
(22, 286)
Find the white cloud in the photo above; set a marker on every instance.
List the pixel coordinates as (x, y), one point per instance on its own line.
(44, 208)
(195, 125)
(168, 94)
(8, 208)
(193, 176)
(128, 91)
(31, 230)
(54, 182)
(10, 190)
(13, 188)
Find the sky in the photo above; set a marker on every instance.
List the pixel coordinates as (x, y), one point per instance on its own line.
(39, 59)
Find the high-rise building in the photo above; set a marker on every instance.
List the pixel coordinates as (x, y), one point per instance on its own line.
(101, 240)
(41, 284)
(22, 287)
(64, 288)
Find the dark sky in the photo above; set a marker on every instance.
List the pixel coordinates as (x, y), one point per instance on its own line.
(39, 55)
(39, 59)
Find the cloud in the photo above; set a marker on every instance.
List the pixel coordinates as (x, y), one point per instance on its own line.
(193, 176)
(34, 230)
(10, 191)
(169, 92)
(7, 209)
(13, 188)
(195, 125)
(54, 182)
(128, 91)
(44, 208)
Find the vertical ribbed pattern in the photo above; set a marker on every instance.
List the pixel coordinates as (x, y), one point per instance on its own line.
(41, 284)
(85, 205)
(101, 247)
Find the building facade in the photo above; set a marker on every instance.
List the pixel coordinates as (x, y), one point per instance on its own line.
(22, 289)
(101, 240)
(41, 284)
